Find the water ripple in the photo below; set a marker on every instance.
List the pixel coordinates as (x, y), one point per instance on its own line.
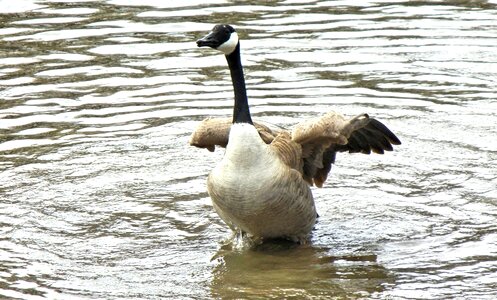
(101, 196)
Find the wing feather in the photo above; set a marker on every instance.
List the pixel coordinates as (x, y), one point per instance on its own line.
(321, 138)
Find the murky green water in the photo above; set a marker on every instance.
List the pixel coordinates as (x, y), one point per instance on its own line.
(102, 198)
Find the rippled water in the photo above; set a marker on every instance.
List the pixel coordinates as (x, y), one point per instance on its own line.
(101, 196)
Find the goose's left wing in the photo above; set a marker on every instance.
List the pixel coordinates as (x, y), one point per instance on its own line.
(321, 138)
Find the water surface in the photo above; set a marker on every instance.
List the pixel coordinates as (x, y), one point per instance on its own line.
(101, 196)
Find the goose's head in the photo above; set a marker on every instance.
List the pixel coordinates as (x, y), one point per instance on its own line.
(222, 37)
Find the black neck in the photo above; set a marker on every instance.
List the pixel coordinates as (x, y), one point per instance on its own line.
(241, 112)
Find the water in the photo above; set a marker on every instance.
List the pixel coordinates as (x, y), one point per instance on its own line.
(102, 198)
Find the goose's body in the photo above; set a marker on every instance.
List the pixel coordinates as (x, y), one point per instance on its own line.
(254, 191)
(262, 185)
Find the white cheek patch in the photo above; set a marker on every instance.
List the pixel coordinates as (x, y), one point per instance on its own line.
(230, 45)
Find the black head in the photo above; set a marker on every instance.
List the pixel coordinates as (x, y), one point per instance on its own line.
(222, 37)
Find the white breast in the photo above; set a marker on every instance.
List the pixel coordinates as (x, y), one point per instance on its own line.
(247, 157)
(248, 166)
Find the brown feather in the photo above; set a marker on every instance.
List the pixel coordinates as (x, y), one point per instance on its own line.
(317, 135)
(289, 152)
(326, 127)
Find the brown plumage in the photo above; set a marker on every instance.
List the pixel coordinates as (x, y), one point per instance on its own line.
(311, 146)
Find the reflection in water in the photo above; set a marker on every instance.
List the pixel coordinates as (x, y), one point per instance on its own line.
(275, 270)
(101, 197)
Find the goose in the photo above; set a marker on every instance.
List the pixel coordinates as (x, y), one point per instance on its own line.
(261, 187)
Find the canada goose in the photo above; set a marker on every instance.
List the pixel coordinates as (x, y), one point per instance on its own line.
(261, 187)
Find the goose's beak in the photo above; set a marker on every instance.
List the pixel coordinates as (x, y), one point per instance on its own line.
(207, 41)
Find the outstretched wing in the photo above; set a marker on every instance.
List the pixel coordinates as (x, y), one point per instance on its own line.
(321, 138)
